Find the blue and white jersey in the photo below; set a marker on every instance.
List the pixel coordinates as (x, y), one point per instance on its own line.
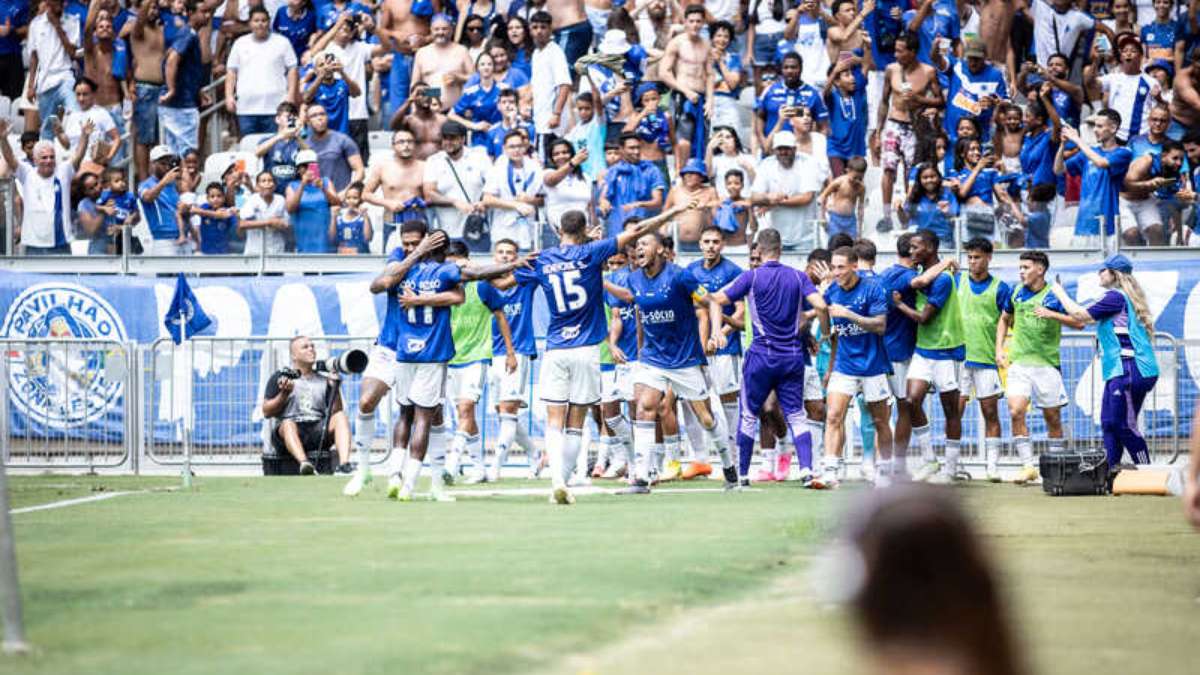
(482, 104)
(900, 336)
(884, 30)
(517, 305)
(328, 15)
(627, 343)
(350, 231)
(160, 213)
(572, 279)
(1132, 97)
(860, 353)
(422, 334)
(670, 330)
(967, 90)
(713, 280)
(779, 94)
(513, 79)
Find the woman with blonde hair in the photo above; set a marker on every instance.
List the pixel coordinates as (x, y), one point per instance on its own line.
(1126, 331)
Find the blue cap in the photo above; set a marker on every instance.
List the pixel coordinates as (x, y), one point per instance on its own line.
(1163, 64)
(642, 89)
(695, 166)
(1118, 263)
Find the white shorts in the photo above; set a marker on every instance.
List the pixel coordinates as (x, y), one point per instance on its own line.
(688, 383)
(725, 373)
(813, 390)
(508, 386)
(617, 383)
(874, 388)
(570, 376)
(874, 96)
(1139, 214)
(465, 382)
(422, 384)
(898, 380)
(1043, 385)
(980, 382)
(381, 365)
(942, 374)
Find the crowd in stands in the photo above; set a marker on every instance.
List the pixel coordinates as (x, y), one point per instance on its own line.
(1006, 119)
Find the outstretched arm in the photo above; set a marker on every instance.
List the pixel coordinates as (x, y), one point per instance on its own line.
(473, 272)
(1074, 309)
(649, 225)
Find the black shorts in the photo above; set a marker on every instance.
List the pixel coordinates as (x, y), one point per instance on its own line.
(685, 122)
(283, 464)
(12, 77)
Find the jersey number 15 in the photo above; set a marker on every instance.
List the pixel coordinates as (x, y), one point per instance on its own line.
(568, 294)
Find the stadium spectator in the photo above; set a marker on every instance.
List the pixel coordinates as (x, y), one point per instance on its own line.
(262, 220)
(46, 226)
(148, 51)
(14, 26)
(106, 61)
(1102, 170)
(443, 63)
(327, 86)
(786, 185)
(421, 114)
(270, 65)
(338, 156)
(183, 76)
(512, 191)
(454, 179)
(550, 79)
(308, 407)
(355, 57)
(70, 132)
(633, 187)
(310, 200)
(53, 40)
(89, 221)
(567, 187)
(161, 204)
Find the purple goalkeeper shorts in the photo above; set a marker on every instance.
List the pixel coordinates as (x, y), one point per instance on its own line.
(766, 369)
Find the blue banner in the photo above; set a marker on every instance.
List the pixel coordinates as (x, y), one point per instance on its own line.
(130, 309)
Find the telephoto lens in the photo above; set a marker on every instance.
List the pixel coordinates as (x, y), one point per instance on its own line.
(349, 361)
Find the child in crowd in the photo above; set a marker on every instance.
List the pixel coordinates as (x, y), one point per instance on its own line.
(589, 131)
(849, 199)
(930, 205)
(119, 206)
(350, 230)
(734, 214)
(263, 218)
(655, 129)
(217, 221)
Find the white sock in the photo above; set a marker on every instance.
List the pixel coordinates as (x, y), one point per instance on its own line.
(475, 450)
(1024, 449)
(657, 453)
(884, 468)
(364, 432)
(398, 458)
(922, 439)
(572, 443)
(643, 443)
(554, 453)
(412, 471)
(458, 443)
(718, 438)
(817, 430)
(671, 447)
(504, 440)
(697, 446)
(731, 421)
(991, 451)
(953, 450)
(523, 439)
(436, 452)
(587, 439)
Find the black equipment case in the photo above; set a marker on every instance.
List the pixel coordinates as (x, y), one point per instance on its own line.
(1074, 473)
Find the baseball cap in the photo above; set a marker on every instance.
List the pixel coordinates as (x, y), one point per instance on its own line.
(1161, 64)
(306, 157)
(452, 128)
(696, 166)
(784, 139)
(1117, 263)
(1127, 38)
(160, 152)
(975, 48)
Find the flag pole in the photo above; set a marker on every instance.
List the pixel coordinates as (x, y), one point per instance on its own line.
(187, 414)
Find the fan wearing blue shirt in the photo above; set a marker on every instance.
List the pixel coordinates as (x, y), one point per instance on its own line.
(933, 20)
(571, 277)
(974, 88)
(332, 90)
(858, 308)
(513, 348)
(15, 15)
(216, 221)
(674, 330)
(931, 205)
(846, 100)
(1103, 168)
(297, 22)
(159, 197)
(632, 187)
(784, 98)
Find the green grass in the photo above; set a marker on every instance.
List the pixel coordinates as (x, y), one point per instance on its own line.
(285, 575)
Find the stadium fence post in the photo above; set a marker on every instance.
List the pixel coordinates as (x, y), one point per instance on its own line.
(8, 192)
(14, 622)
(191, 406)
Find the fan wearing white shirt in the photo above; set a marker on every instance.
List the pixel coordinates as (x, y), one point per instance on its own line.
(45, 185)
(105, 129)
(454, 179)
(550, 80)
(263, 218)
(261, 72)
(787, 184)
(513, 192)
(567, 187)
(52, 43)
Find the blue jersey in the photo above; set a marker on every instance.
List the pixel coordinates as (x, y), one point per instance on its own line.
(778, 95)
(329, 13)
(1099, 188)
(160, 213)
(335, 98)
(1159, 40)
(572, 279)
(900, 337)
(15, 13)
(124, 204)
(493, 140)
(860, 353)
(884, 30)
(670, 330)
(480, 105)
(926, 214)
(626, 183)
(985, 183)
(350, 232)
(848, 119)
(942, 22)
(714, 280)
(517, 305)
(214, 233)
(655, 130)
(1037, 157)
(296, 30)
(966, 91)
(422, 333)
(627, 343)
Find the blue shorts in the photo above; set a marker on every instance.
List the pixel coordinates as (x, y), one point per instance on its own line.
(765, 46)
(574, 40)
(145, 113)
(843, 223)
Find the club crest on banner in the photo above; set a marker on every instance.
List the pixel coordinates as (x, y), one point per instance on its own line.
(61, 385)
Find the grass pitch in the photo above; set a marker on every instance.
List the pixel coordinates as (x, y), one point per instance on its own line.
(285, 575)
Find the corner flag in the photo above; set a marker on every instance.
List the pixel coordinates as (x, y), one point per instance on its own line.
(185, 317)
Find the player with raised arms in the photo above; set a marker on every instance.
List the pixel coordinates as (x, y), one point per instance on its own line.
(571, 275)
(774, 361)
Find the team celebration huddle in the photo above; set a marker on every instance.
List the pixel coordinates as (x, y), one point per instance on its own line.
(771, 354)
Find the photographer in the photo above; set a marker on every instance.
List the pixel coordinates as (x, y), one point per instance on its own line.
(311, 420)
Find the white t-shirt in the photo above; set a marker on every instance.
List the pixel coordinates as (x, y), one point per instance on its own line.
(525, 181)
(1071, 26)
(571, 193)
(257, 209)
(1128, 94)
(767, 24)
(722, 10)
(723, 164)
(37, 228)
(355, 57)
(792, 222)
(549, 72)
(261, 69)
(102, 121)
(819, 156)
(472, 168)
(54, 64)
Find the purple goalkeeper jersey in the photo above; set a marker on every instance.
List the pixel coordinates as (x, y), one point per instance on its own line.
(775, 296)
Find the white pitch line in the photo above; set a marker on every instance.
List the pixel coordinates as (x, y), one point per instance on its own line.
(578, 491)
(73, 502)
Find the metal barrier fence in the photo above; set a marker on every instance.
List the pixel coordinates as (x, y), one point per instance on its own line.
(93, 403)
(67, 403)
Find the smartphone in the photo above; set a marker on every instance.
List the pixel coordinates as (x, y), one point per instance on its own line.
(1102, 44)
(433, 92)
(314, 170)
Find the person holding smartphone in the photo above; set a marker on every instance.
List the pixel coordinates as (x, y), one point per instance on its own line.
(310, 201)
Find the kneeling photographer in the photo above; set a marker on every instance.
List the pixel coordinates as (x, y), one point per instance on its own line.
(306, 399)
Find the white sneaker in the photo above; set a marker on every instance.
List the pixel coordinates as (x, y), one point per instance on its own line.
(357, 482)
(579, 481)
(405, 493)
(993, 473)
(867, 469)
(437, 494)
(805, 477)
(477, 476)
(882, 480)
(826, 480)
(928, 470)
(561, 495)
(940, 478)
(614, 469)
(394, 485)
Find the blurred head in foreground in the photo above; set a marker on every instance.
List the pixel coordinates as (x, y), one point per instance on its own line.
(927, 600)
